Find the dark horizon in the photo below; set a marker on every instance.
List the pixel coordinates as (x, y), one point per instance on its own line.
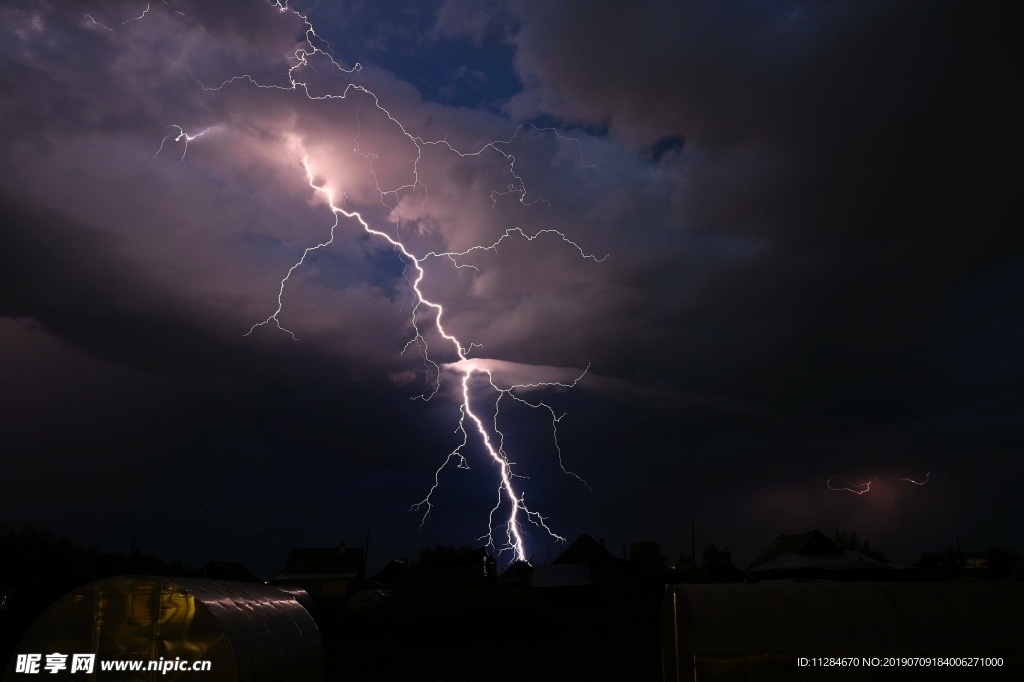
(138, 558)
(815, 270)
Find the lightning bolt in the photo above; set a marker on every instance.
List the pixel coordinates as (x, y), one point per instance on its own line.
(131, 19)
(506, 534)
(927, 476)
(840, 483)
(182, 135)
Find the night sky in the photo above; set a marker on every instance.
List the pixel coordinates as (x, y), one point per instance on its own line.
(812, 215)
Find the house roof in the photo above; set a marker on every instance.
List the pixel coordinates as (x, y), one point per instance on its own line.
(227, 570)
(396, 570)
(810, 544)
(842, 560)
(810, 550)
(561, 575)
(334, 575)
(320, 563)
(584, 550)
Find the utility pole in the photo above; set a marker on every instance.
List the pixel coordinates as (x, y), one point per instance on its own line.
(366, 553)
(693, 543)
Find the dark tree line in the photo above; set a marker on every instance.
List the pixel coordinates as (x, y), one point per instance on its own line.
(717, 564)
(851, 541)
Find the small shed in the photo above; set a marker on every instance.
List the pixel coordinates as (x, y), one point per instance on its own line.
(249, 632)
(764, 631)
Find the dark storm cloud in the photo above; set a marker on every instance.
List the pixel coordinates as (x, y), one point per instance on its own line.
(813, 259)
(120, 403)
(78, 290)
(838, 192)
(852, 148)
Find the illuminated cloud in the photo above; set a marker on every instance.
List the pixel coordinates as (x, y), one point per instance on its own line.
(808, 243)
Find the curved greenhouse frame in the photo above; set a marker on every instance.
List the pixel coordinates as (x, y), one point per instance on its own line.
(247, 631)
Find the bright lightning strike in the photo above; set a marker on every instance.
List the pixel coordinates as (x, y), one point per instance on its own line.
(426, 311)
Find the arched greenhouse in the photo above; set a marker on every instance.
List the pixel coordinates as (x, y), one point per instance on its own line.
(247, 632)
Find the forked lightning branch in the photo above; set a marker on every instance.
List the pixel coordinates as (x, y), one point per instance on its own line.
(478, 424)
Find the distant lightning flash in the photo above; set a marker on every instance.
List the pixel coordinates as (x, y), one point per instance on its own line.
(927, 476)
(131, 19)
(182, 135)
(840, 483)
(425, 310)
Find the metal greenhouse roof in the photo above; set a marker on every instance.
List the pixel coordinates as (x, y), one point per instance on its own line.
(248, 631)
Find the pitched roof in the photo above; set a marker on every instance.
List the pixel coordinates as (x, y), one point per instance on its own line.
(227, 570)
(811, 543)
(838, 561)
(330, 562)
(396, 570)
(584, 550)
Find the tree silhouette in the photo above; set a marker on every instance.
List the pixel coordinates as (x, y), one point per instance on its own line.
(851, 541)
(718, 563)
(647, 553)
(1001, 563)
(685, 562)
